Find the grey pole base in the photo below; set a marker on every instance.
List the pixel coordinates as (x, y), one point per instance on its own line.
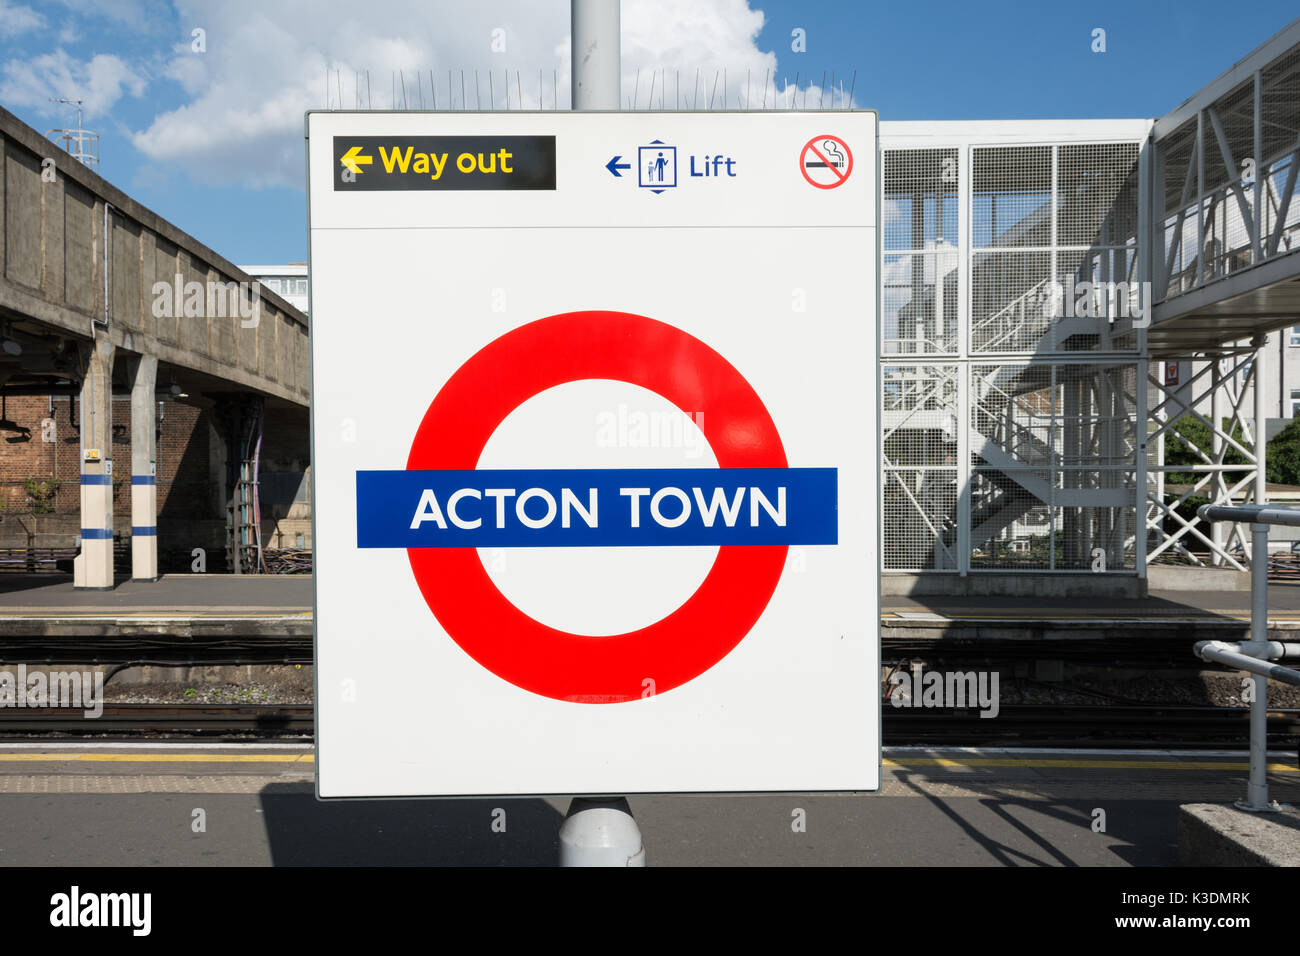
(1272, 806)
(600, 832)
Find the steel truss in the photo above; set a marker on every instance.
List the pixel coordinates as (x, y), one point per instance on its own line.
(1224, 379)
(1238, 160)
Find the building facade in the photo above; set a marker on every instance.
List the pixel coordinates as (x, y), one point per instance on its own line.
(289, 282)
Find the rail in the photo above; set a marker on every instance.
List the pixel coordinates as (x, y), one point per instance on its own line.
(1253, 656)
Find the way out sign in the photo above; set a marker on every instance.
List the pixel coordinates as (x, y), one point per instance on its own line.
(594, 453)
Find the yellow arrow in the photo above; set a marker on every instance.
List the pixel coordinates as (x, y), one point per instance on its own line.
(353, 160)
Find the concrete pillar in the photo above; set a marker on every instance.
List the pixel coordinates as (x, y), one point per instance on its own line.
(93, 567)
(142, 371)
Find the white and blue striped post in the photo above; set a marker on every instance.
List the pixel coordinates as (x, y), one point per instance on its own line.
(144, 450)
(92, 569)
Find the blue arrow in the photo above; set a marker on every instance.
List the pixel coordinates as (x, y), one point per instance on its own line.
(614, 166)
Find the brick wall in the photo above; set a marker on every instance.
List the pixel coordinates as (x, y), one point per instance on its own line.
(190, 512)
(36, 458)
(184, 484)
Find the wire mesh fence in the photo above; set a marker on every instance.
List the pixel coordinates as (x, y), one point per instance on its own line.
(1013, 447)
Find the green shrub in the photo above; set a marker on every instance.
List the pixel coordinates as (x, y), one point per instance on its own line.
(42, 493)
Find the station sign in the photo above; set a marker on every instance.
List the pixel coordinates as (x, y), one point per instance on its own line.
(595, 430)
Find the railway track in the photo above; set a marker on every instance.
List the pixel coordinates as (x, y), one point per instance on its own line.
(1158, 725)
(1016, 724)
(162, 719)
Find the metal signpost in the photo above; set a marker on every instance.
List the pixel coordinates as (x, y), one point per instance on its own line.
(595, 419)
(1254, 655)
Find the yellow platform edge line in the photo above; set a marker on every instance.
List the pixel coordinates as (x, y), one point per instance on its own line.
(57, 757)
(1235, 614)
(904, 762)
(29, 615)
(900, 763)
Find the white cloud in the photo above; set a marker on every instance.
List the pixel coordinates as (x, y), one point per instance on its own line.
(684, 38)
(139, 16)
(265, 64)
(16, 19)
(99, 82)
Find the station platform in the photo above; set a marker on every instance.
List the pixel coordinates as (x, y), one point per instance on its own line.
(1283, 606)
(182, 605)
(106, 804)
(172, 593)
(279, 608)
(290, 595)
(1141, 625)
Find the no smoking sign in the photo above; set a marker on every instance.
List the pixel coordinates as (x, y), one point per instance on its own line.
(826, 161)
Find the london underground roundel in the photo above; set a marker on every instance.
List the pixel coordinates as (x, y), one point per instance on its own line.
(443, 507)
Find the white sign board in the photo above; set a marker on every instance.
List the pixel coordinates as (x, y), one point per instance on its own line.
(595, 432)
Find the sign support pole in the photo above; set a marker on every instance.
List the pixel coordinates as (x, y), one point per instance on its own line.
(598, 832)
(595, 35)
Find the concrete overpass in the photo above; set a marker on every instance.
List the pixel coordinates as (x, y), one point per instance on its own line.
(98, 293)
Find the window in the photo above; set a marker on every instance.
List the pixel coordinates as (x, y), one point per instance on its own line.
(1295, 402)
(1293, 337)
(285, 285)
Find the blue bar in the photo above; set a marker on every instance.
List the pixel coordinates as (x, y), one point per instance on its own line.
(389, 501)
(96, 534)
(143, 480)
(144, 530)
(96, 479)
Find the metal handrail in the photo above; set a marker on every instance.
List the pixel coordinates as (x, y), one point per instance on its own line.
(1253, 655)
(1250, 514)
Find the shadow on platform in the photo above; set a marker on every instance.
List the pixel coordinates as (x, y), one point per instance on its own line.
(1019, 832)
(303, 831)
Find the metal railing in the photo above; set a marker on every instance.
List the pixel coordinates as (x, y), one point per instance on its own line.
(994, 331)
(1254, 655)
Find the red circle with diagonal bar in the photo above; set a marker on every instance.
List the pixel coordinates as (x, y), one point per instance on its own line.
(571, 347)
(829, 157)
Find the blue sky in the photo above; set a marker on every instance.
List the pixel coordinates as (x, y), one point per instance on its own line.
(211, 138)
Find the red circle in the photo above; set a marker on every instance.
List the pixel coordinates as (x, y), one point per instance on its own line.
(811, 144)
(571, 347)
